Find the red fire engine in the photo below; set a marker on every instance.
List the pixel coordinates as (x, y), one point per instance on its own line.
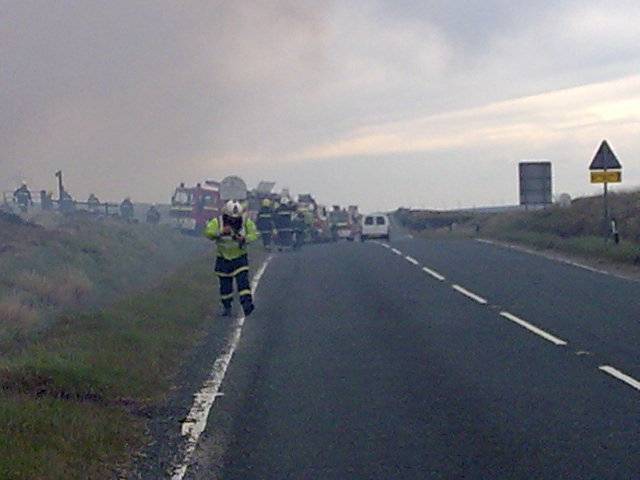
(193, 207)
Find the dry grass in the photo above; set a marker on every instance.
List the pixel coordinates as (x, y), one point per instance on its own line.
(79, 263)
(35, 283)
(63, 288)
(73, 286)
(16, 318)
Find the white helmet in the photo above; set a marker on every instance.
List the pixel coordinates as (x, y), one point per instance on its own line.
(233, 209)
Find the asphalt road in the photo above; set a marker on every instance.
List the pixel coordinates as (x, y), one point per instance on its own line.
(490, 363)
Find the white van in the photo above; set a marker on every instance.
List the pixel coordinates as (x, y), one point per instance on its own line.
(375, 225)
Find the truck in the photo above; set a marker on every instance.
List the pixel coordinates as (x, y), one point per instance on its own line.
(342, 224)
(320, 228)
(193, 207)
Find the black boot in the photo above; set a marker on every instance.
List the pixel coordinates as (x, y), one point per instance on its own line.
(225, 310)
(248, 307)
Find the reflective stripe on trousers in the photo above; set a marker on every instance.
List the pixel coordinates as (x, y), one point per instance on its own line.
(227, 270)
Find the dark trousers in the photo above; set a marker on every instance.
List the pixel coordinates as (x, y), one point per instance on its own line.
(299, 238)
(285, 237)
(266, 238)
(227, 271)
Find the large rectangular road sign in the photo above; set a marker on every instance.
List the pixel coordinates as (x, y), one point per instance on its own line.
(535, 183)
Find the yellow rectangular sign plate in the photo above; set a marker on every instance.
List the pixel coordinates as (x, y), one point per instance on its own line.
(606, 177)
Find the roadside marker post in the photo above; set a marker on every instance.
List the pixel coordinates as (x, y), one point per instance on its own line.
(605, 168)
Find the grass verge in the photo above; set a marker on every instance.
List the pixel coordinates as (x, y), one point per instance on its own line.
(78, 263)
(72, 404)
(577, 229)
(591, 247)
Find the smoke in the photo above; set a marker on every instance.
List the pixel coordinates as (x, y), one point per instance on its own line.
(130, 98)
(126, 97)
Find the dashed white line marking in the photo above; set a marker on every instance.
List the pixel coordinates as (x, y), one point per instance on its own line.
(411, 260)
(196, 421)
(467, 293)
(433, 273)
(396, 251)
(385, 245)
(533, 328)
(614, 372)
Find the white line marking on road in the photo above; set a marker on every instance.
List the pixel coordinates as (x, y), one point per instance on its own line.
(471, 295)
(396, 251)
(533, 328)
(410, 236)
(385, 245)
(196, 421)
(433, 273)
(621, 376)
(412, 260)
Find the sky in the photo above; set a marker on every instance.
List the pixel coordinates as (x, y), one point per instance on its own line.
(415, 103)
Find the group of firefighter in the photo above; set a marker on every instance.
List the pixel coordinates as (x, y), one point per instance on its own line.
(23, 199)
(284, 224)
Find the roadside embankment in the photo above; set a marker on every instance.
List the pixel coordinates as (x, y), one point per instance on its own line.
(69, 263)
(576, 229)
(77, 398)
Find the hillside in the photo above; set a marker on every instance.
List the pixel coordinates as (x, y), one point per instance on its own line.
(96, 318)
(69, 263)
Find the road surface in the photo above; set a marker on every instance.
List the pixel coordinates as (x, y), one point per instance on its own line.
(427, 359)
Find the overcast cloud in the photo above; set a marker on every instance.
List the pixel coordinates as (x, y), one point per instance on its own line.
(415, 103)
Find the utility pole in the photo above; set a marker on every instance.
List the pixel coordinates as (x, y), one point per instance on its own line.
(60, 186)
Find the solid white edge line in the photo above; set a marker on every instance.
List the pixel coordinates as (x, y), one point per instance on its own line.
(433, 273)
(533, 329)
(411, 260)
(614, 372)
(396, 251)
(196, 421)
(530, 251)
(469, 294)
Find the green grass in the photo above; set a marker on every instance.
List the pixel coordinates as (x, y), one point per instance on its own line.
(72, 395)
(49, 438)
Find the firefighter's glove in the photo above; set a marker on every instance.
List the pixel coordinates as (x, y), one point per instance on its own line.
(241, 241)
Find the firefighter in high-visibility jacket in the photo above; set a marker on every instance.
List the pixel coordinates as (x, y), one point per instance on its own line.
(232, 232)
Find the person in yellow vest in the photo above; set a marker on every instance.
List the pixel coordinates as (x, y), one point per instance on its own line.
(232, 232)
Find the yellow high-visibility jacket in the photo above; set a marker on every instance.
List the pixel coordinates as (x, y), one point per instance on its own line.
(229, 248)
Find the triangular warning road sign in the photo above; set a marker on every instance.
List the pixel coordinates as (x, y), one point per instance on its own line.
(605, 159)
